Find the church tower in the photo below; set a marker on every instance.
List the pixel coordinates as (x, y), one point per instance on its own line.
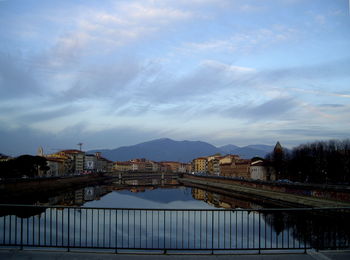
(40, 152)
(278, 148)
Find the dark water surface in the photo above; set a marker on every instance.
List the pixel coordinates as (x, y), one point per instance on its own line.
(149, 194)
(163, 214)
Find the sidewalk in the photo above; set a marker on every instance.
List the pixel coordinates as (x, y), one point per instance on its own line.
(58, 255)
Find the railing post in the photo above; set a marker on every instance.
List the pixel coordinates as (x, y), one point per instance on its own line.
(212, 232)
(259, 232)
(22, 233)
(68, 228)
(305, 243)
(116, 231)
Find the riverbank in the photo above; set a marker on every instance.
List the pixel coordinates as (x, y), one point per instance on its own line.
(28, 190)
(281, 198)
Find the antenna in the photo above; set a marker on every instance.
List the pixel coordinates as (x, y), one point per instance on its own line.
(80, 145)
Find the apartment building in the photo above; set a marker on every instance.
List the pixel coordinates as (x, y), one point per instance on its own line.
(122, 166)
(200, 164)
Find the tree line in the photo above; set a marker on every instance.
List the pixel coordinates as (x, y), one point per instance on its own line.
(24, 165)
(317, 162)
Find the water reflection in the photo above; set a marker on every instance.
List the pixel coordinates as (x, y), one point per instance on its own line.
(138, 193)
(227, 202)
(126, 228)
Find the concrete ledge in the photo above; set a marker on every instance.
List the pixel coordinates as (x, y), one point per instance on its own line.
(39, 254)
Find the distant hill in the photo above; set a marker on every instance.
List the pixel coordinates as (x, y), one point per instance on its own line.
(250, 151)
(166, 149)
(161, 150)
(228, 148)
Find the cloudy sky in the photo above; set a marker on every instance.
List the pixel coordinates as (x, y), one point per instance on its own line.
(113, 73)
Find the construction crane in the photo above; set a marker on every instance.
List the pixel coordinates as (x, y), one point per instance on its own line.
(80, 145)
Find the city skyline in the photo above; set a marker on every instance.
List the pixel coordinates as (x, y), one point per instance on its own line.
(110, 74)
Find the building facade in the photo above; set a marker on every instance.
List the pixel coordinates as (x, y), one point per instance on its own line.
(200, 165)
(238, 168)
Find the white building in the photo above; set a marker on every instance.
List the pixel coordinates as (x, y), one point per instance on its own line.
(258, 171)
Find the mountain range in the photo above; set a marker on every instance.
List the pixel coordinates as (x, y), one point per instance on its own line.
(166, 149)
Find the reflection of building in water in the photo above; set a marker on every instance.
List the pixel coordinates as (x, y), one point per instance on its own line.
(148, 181)
(89, 193)
(171, 182)
(132, 182)
(142, 189)
(79, 197)
(139, 189)
(54, 200)
(95, 193)
(155, 181)
(199, 194)
(213, 199)
(221, 201)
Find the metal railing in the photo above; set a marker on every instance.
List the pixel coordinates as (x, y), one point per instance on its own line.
(174, 229)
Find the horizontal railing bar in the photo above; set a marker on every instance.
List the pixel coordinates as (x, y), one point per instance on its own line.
(172, 209)
(160, 248)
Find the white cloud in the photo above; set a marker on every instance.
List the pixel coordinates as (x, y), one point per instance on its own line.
(252, 8)
(212, 45)
(105, 66)
(225, 67)
(142, 13)
(129, 21)
(246, 42)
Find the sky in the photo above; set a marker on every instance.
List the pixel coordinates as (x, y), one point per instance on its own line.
(115, 73)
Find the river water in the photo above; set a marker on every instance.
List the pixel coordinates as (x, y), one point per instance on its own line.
(157, 214)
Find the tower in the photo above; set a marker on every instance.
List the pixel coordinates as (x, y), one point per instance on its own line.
(40, 151)
(278, 148)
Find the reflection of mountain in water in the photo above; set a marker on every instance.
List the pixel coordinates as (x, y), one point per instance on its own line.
(320, 229)
(161, 195)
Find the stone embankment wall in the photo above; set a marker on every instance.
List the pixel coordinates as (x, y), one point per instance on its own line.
(11, 190)
(330, 192)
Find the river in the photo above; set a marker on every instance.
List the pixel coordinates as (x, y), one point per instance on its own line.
(162, 214)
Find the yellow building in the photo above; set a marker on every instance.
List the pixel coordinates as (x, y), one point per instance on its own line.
(200, 164)
(228, 158)
(74, 158)
(122, 166)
